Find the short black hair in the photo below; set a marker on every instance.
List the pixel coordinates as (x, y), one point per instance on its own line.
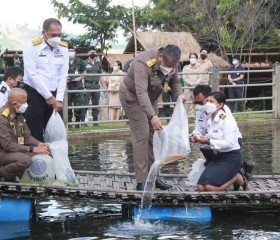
(219, 96)
(92, 48)
(204, 48)
(171, 53)
(119, 63)
(204, 89)
(48, 22)
(193, 54)
(13, 72)
(236, 57)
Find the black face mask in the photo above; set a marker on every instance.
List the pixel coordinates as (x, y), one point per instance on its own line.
(203, 56)
(92, 56)
(21, 84)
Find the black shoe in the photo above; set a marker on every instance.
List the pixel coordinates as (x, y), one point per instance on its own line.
(245, 185)
(206, 163)
(248, 169)
(236, 187)
(140, 186)
(162, 185)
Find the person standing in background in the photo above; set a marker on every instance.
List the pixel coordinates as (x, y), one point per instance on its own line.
(205, 65)
(76, 66)
(114, 98)
(46, 64)
(236, 79)
(93, 82)
(191, 80)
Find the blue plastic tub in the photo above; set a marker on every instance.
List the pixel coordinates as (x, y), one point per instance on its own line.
(14, 230)
(12, 209)
(194, 214)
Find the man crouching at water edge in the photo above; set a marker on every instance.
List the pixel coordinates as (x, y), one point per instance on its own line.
(139, 92)
(17, 146)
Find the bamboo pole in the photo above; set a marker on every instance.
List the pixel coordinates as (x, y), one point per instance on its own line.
(134, 28)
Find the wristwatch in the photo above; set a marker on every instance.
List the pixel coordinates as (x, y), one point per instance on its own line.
(30, 148)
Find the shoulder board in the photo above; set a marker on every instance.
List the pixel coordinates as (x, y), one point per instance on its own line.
(64, 44)
(223, 116)
(37, 41)
(151, 62)
(3, 89)
(6, 112)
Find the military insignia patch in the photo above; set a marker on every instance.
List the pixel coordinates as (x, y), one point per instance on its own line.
(3, 89)
(37, 41)
(6, 112)
(151, 62)
(64, 44)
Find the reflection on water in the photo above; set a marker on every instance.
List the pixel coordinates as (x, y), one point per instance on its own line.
(83, 220)
(260, 145)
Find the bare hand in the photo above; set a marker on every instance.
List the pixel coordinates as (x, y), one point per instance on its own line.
(156, 123)
(43, 144)
(51, 101)
(182, 98)
(201, 139)
(41, 149)
(58, 106)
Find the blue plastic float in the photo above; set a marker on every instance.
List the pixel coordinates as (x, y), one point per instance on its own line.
(193, 214)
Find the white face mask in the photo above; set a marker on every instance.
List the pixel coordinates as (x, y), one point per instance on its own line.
(22, 108)
(193, 60)
(115, 68)
(165, 70)
(54, 41)
(72, 55)
(210, 107)
(199, 107)
(234, 62)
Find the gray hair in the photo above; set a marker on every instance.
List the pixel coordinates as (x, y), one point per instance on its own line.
(171, 53)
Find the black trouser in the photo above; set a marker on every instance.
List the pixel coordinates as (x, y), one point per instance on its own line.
(167, 97)
(233, 93)
(38, 113)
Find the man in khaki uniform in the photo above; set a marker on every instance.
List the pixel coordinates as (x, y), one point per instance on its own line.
(139, 91)
(205, 66)
(17, 146)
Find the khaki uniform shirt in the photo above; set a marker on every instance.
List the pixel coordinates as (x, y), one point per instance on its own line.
(192, 80)
(145, 81)
(15, 135)
(205, 66)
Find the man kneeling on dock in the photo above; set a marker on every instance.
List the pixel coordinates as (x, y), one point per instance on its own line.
(17, 146)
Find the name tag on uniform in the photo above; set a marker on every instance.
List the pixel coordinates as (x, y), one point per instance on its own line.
(58, 55)
(42, 55)
(21, 140)
(215, 131)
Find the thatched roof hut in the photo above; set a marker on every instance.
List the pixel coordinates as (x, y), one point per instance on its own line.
(109, 60)
(184, 40)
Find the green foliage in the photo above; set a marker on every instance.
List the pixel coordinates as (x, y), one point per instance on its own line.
(100, 18)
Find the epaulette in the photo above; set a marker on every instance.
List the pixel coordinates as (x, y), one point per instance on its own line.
(37, 41)
(62, 43)
(3, 89)
(6, 112)
(151, 62)
(223, 116)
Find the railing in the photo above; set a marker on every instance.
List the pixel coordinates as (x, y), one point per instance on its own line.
(215, 83)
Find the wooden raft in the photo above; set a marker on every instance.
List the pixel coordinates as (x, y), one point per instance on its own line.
(101, 187)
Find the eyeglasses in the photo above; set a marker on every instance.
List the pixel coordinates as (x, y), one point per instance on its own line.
(198, 102)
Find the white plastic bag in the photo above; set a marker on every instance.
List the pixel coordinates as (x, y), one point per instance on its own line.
(41, 170)
(197, 168)
(62, 167)
(55, 129)
(172, 142)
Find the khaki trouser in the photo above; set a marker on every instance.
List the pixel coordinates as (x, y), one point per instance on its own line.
(13, 164)
(141, 135)
(190, 109)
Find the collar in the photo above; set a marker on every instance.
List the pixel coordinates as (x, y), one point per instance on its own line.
(216, 118)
